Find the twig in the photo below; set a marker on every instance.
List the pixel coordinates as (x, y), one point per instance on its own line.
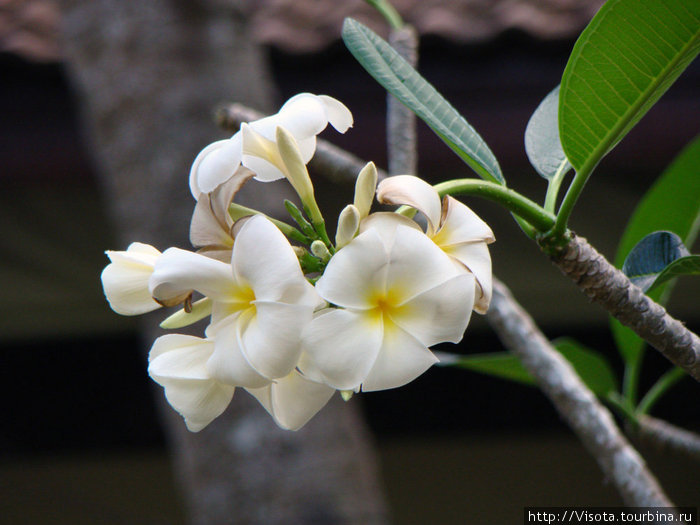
(577, 405)
(666, 437)
(332, 162)
(610, 288)
(401, 121)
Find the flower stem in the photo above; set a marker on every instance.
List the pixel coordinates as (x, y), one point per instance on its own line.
(535, 215)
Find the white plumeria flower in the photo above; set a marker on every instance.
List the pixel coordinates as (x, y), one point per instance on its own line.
(125, 279)
(455, 228)
(293, 400)
(260, 302)
(398, 294)
(305, 115)
(211, 228)
(179, 364)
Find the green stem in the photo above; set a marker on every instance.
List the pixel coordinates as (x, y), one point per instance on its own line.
(238, 211)
(630, 383)
(535, 215)
(620, 404)
(665, 382)
(550, 200)
(388, 12)
(572, 195)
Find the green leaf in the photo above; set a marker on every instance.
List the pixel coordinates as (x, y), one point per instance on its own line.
(591, 367)
(625, 59)
(651, 256)
(542, 143)
(672, 204)
(400, 79)
(499, 364)
(689, 265)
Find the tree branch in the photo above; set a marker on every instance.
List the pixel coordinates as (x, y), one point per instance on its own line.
(610, 288)
(577, 405)
(665, 437)
(332, 162)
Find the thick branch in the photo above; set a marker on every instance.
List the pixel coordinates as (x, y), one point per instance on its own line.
(610, 288)
(332, 162)
(577, 405)
(401, 121)
(666, 437)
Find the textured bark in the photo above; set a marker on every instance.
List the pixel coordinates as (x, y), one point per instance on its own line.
(401, 121)
(610, 288)
(330, 161)
(150, 73)
(665, 437)
(576, 404)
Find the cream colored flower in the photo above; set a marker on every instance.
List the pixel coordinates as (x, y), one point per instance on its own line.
(456, 229)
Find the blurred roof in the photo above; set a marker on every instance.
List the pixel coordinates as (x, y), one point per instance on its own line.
(305, 26)
(30, 28)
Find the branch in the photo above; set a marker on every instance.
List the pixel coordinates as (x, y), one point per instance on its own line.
(610, 288)
(577, 405)
(665, 437)
(401, 121)
(330, 161)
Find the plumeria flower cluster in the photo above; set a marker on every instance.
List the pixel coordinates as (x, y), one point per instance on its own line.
(292, 316)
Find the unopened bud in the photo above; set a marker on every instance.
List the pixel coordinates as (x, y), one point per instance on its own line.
(320, 250)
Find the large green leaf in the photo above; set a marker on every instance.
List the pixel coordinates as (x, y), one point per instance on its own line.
(400, 79)
(591, 367)
(542, 143)
(673, 204)
(499, 364)
(652, 256)
(625, 59)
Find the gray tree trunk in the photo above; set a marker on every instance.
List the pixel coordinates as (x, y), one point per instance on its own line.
(150, 74)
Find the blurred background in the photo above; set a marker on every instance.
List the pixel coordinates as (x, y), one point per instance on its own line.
(94, 100)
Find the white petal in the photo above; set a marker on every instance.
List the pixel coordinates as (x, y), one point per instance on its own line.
(440, 314)
(417, 264)
(125, 280)
(271, 341)
(293, 400)
(307, 148)
(215, 164)
(178, 363)
(356, 272)
(194, 170)
(412, 191)
(338, 114)
(261, 155)
(385, 223)
(401, 359)
(263, 258)
(461, 224)
(211, 221)
(475, 256)
(136, 253)
(304, 115)
(178, 271)
(343, 346)
(228, 364)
